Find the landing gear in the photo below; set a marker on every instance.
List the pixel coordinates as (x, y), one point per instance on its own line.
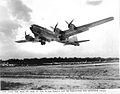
(77, 44)
(43, 43)
(62, 36)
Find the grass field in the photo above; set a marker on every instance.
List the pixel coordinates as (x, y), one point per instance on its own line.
(83, 76)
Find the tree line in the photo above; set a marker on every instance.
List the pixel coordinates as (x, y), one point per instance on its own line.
(55, 60)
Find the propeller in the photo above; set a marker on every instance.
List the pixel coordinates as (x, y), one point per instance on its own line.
(54, 28)
(69, 23)
(26, 36)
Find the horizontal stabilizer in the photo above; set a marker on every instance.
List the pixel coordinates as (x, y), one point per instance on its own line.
(82, 41)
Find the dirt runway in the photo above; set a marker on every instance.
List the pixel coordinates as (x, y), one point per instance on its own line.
(84, 76)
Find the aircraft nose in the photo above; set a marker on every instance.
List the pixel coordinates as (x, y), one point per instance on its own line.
(31, 28)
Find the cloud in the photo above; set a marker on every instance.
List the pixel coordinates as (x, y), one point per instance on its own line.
(9, 26)
(13, 9)
(19, 10)
(94, 2)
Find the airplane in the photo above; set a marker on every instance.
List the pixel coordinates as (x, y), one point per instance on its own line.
(44, 35)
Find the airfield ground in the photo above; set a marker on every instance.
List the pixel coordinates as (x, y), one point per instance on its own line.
(83, 76)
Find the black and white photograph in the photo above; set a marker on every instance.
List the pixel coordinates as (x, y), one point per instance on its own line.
(59, 45)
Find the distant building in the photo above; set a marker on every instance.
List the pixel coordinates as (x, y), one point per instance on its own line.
(6, 65)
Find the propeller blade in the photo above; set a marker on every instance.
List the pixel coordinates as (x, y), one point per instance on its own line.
(66, 22)
(25, 33)
(55, 27)
(51, 27)
(71, 21)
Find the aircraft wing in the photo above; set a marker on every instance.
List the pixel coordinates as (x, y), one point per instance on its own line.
(21, 41)
(86, 27)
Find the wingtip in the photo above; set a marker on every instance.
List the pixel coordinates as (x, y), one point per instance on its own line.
(87, 40)
(16, 42)
(111, 18)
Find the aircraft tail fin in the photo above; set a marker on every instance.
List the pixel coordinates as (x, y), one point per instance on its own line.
(72, 39)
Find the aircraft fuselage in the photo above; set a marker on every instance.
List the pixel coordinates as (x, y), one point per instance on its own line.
(42, 33)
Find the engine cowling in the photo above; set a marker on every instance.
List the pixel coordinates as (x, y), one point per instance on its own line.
(72, 27)
(57, 31)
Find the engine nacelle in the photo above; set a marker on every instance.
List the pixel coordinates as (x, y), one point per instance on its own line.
(29, 38)
(57, 31)
(60, 34)
(72, 27)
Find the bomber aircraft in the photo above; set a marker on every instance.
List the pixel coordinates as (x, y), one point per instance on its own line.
(44, 35)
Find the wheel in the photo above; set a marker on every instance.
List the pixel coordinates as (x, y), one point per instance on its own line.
(42, 43)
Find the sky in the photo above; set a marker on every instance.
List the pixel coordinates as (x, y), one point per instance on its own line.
(16, 16)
